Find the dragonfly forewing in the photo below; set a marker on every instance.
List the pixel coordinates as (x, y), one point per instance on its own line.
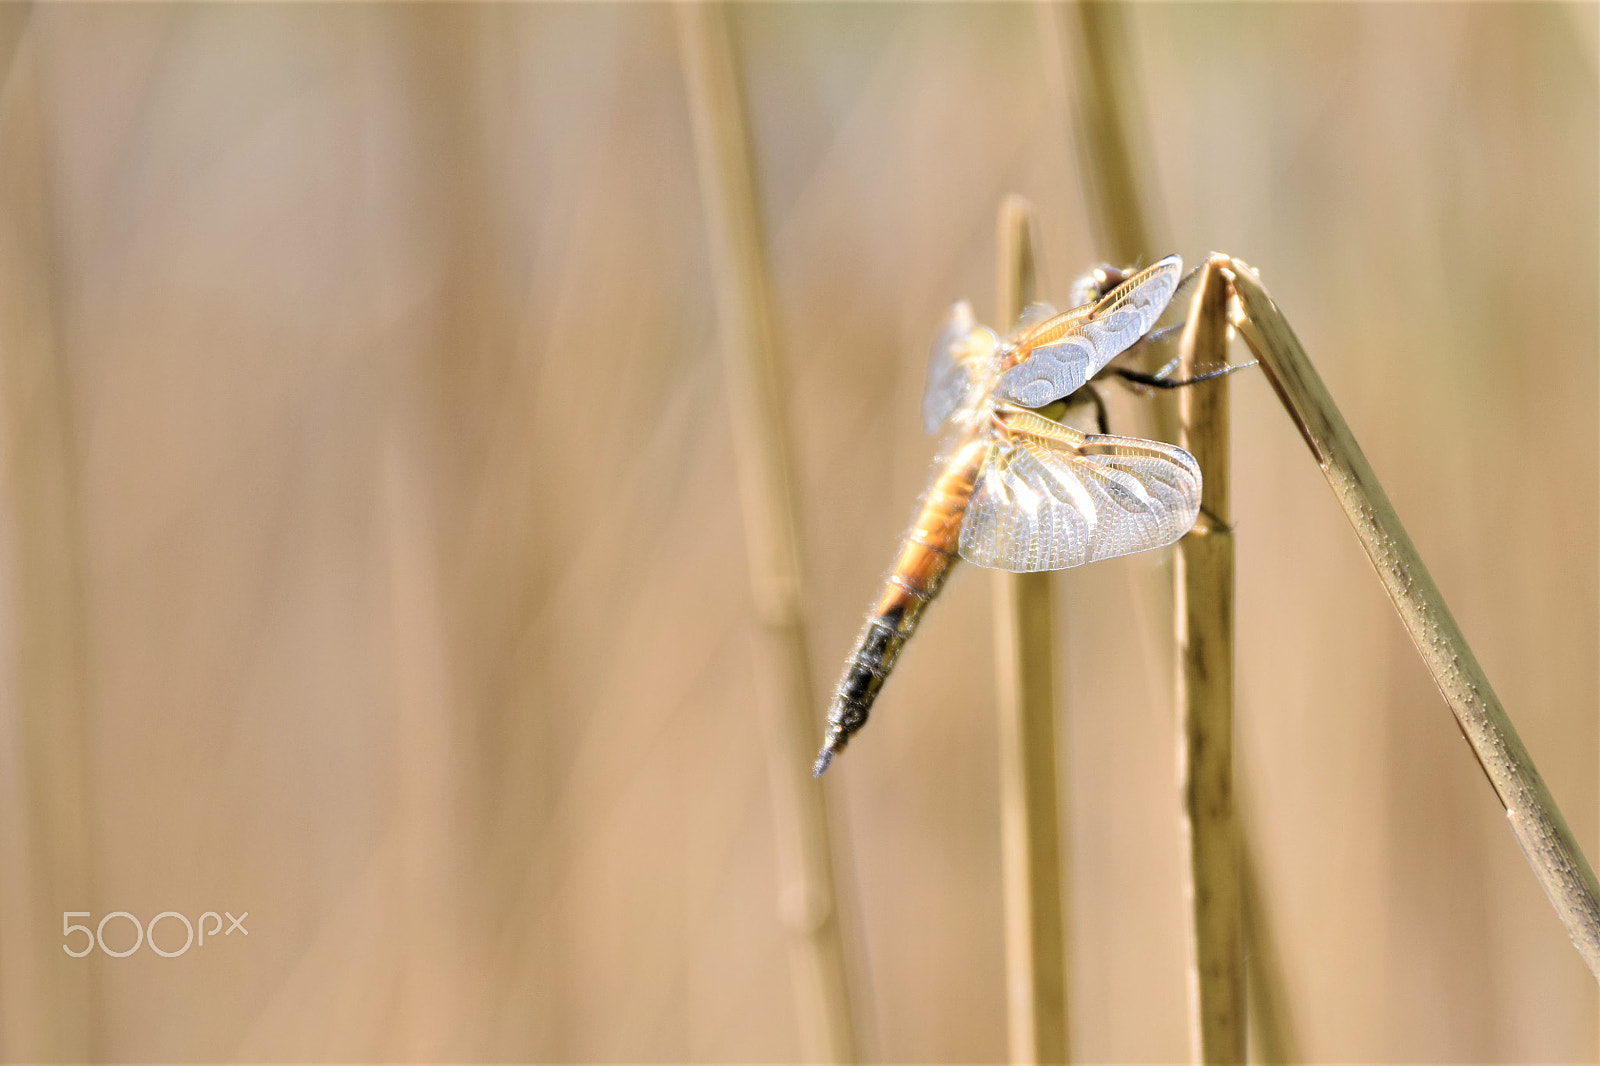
(1057, 362)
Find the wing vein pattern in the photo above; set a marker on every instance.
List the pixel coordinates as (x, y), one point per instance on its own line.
(1050, 497)
(961, 348)
(1067, 352)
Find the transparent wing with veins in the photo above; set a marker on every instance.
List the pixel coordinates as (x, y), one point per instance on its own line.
(961, 351)
(1058, 356)
(1034, 314)
(1050, 497)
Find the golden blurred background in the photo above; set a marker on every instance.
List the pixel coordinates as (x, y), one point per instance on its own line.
(371, 557)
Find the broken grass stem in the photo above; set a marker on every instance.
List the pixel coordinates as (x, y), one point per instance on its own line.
(1536, 821)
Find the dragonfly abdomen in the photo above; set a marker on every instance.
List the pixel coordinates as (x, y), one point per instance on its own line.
(919, 573)
(876, 650)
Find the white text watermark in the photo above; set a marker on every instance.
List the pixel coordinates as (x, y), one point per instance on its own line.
(145, 934)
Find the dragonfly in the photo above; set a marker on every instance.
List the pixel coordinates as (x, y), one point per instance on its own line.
(1019, 491)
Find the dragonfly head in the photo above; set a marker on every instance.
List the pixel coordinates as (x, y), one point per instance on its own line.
(1096, 283)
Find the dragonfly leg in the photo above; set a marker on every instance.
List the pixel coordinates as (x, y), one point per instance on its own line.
(1101, 421)
(1158, 336)
(1072, 411)
(1161, 380)
(1184, 282)
(1136, 352)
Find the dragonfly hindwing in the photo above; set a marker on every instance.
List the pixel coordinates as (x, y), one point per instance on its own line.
(1050, 497)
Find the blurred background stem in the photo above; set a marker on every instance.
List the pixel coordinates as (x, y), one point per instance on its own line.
(1087, 69)
(50, 1010)
(1036, 1005)
(752, 375)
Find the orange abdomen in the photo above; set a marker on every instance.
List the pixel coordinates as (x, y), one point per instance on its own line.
(919, 573)
(930, 548)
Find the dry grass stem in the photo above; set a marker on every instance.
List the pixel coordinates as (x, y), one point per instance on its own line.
(1266, 989)
(49, 787)
(1025, 665)
(1085, 63)
(1204, 625)
(13, 22)
(752, 377)
(1085, 43)
(1086, 39)
(1546, 841)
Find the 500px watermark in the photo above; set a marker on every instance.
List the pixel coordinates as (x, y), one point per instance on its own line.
(146, 934)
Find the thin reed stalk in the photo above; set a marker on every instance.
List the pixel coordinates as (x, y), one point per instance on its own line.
(13, 22)
(1087, 70)
(1271, 1022)
(1084, 43)
(49, 1011)
(1203, 602)
(1036, 1008)
(1536, 821)
(1086, 67)
(752, 377)
(1084, 73)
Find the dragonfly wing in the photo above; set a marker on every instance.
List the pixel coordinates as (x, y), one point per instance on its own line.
(1051, 497)
(1058, 365)
(1049, 373)
(960, 346)
(1034, 314)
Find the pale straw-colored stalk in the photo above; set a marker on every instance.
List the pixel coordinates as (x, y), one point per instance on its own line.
(1036, 1009)
(48, 1011)
(752, 378)
(1081, 64)
(1536, 822)
(1271, 1020)
(1087, 72)
(1203, 610)
(1086, 65)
